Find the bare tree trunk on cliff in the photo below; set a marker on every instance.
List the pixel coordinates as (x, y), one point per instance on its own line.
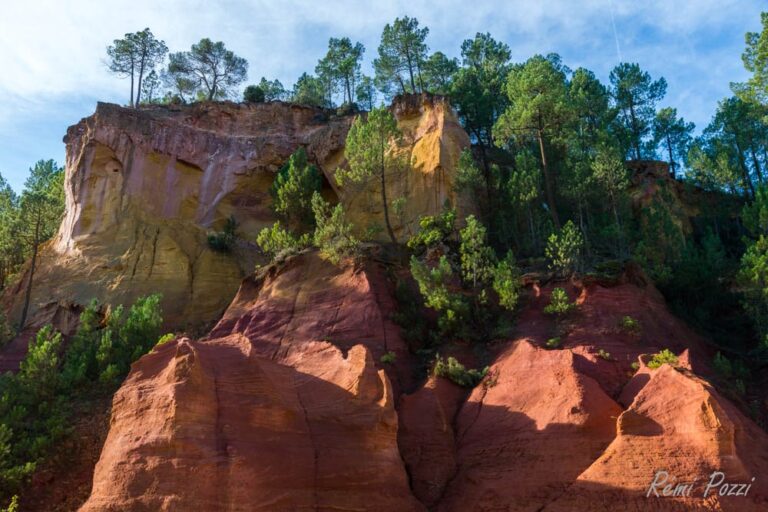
(28, 291)
(390, 231)
(549, 189)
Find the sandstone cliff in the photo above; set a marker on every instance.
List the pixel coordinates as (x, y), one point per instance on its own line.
(144, 187)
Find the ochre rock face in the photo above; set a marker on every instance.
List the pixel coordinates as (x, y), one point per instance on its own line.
(284, 409)
(145, 187)
(286, 405)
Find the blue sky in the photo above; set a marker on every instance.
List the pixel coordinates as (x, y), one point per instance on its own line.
(53, 69)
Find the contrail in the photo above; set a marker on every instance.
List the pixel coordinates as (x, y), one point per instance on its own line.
(615, 34)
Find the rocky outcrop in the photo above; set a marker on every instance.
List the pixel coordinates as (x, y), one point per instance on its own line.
(287, 405)
(283, 407)
(145, 186)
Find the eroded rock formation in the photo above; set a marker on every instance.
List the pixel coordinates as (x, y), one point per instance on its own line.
(281, 408)
(145, 187)
(287, 405)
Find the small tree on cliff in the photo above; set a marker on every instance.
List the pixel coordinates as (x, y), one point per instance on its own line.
(214, 69)
(136, 56)
(369, 155)
(41, 207)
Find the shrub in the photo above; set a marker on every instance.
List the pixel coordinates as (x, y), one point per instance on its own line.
(39, 369)
(564, 249)
(553, 342)
(434, 287)
(506, 282)
(36, 403)
(223, 241)
(388, 358)
(165, 338)
(635, 366)
(666, 356)
(433, 231)
(629, 324)
(333, 235)
(276, 241)
(253, 94)
(6, 331)
(13, 506)
(602, 354)
(559, 303)
(457, 373)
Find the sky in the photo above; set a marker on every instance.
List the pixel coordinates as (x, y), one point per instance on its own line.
(53, 63)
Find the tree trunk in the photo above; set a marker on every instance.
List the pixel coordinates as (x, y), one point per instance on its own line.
(635, 134)
(131, 103)
(745, 170)
(671, 162)
(756, 163)
(410, 72)
(349, 90)
(383, 172)
(548, 181)
(141, 77)
(28, 292)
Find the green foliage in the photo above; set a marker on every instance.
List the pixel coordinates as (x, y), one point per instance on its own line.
(212, 69)
(293, 188)
(435, 285)
(39, 369)
(666, 356)
(477, 89)
(253, 94)
(135, 57)
(165, 338)
(755, 59)
(389, 358)
(276, 241)
(438, 73)
(559, 304)
(755, 214)
(224, 241)
(602, 354)
(369, 156)
(7, 332)
(630, 325)
(458, 373)
(635, 94)
(662, 237)
(672, 135)
(564, 249)
(434, 231)
(402, 53)
(36, 404)
(477, 259)
(753, 276)
(333, 234)
(13, 506)
(341, 66)
(507, 283)
(273, 89)
(553, 343)
(309, 90)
